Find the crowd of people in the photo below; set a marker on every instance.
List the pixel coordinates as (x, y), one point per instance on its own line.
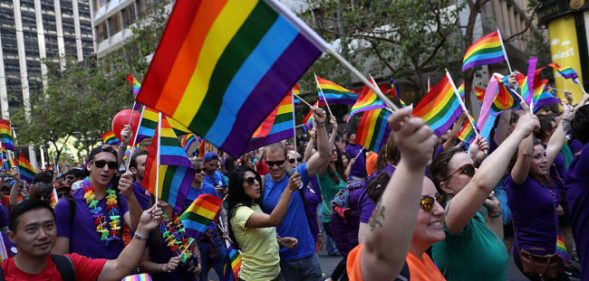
(422, 208)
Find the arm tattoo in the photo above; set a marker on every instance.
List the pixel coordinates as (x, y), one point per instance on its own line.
(377, 217)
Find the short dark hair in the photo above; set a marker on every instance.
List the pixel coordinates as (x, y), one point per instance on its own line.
(580, 124)
(102, 148)
(23, 207)
(439, 167)
(377, 184)
(133, 163)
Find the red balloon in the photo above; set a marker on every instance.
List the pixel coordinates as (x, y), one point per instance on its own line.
(124, 117)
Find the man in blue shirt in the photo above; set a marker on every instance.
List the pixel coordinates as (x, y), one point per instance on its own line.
(212, 174)
(300, 263)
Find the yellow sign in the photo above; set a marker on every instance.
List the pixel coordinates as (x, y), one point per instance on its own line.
(564, 48)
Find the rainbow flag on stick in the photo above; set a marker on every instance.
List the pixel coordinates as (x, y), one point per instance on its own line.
(332, 93)
(279, 125)
(200, 214)
(233, 262)
(296, 91)
(368, 100)
(187, 141)
(147, 125)
(6, 135)
(26, 170)
(393, 91)
(486, 50)
(373, 129)
(467, 132)
(567, 73)
(440, 107)
(174, 175)
(135, 86)
(222, 66)
(110, 138)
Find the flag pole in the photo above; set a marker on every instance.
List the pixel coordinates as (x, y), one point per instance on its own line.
(504, 52)
(294, 124)
(321, 93)
(304, 101)
(157, 159)
(474, 127)
(134, 140)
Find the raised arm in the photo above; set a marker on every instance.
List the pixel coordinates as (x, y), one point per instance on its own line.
(393, 220)
(558, 138)
(259, 220)
(521, 168)
(317, 160)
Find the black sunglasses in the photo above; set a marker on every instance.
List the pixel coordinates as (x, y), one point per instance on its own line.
(467, 169)
(198, 171)
(275, 163)
(427, 202)
(250, 181)
(101, 163)
(292, 160)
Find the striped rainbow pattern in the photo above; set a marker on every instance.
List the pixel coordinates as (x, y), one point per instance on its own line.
(567, 73)
(233, 262)
(466, 133)
(334, 93)
(134, 83)
(222, 66)
(368, 100)
(479, 93)
(175, 170)
(200, 214)
(308, 121)
(148, 124)
(279, 125)
(187, 141)
(6, 135)
(138, 277)
(26, 170)
(373, 129)
(486, 50)
(296, 91)
(542, 96)
(393, 91)
(505, 99)
(440, 107)
(561, 250)
(110, 138)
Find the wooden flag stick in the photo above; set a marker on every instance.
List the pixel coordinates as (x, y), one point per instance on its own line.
(134, 140)
(474, 127)
(157, 159)
(504, 52)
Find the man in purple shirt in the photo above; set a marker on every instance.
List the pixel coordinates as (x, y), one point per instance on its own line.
(577, 185)
(137, 168)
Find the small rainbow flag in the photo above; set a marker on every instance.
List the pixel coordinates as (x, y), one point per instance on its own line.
(368, 100)
(567, 73)
(26, 170)
(561, 250)
(440, 107)
(222, 66)
(506, 98)
(175, 170)
(6, 135)
(479, 93)
(296, 91)
(187, 141)
(110, 138)
(486, 50)
(466, 133)
(373, 129)
(54, 198)
(233, 264)
(333, 93)
(134, 83)
(308, 121)
(148, 124)
(279, 125)
(199, 215)
(393, 91)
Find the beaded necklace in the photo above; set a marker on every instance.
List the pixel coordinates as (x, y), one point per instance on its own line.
(108, 228)
(173, 234)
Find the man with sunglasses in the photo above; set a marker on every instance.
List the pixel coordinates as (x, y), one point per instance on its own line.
(300, 263)
(212, 174)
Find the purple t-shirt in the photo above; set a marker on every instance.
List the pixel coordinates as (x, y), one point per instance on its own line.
(143, 196)
(533, 208)
(160, 253)
(84, 239)
(359, 168)
(577, 185)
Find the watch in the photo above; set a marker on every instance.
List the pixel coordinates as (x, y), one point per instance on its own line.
(140, 237)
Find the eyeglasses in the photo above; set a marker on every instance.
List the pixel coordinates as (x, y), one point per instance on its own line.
(427, 202)
(198, 171)
(467, 169)
(275, 163)
(101, 163)
(292, 160)
(250, 181)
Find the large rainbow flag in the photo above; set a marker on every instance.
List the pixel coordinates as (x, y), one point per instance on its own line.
(200, 214)
(373, 129)
(279, 125)
(440, 107)
(368, 100)
(332, 93)
(222, 66)
(26, 170)
(6, 135)
(486, 50)
(110, 138)
(175, 170)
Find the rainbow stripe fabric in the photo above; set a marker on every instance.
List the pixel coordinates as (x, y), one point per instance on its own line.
(296, 91)
(332, 93)
(440, 107)
(187, 141)
(279, 125)
(486, 50)
(26, 170)
(138, 277)
(148, 124)
(6, 135)
(175, 170)
(309, 120)
(368, 100)
(561, 250)
(373, 129)
(110, 138)
(393, 91)
(505, 98)
(567, 73)
(543, 97)
(222, 66)
(200, 214)
(466, 133)
(134, 83)
(479, 93)
(233, 264)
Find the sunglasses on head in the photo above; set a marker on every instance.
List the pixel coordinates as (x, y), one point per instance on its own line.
(293, 160)
(250, 181)
(274, 163)
(467, 169)
(101, 163)
(427, 202)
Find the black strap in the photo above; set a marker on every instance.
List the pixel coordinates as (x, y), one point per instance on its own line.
(404, 274)
(65, 267)
(1, 274)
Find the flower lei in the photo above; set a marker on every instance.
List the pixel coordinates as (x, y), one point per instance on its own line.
(108, 228)
(173, 234)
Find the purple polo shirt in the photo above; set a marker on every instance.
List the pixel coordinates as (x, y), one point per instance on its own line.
(533, 208)
(143, 196)
(577, 185)
(84, 239)
(359, 168)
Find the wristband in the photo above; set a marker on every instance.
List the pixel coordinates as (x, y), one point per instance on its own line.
(320, 124)
(139, 237)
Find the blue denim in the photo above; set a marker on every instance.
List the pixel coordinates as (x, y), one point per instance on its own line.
(307, 269)
(217, 262)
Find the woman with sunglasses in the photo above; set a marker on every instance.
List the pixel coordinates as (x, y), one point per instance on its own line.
(473, 248)
(533, 197)
(91, 222)
(253, 231)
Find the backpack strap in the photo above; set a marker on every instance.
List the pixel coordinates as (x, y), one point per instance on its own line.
(65, 267)
(72, 210)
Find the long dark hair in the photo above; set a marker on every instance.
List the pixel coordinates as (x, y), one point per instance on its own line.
(236, 196)
(338, 172)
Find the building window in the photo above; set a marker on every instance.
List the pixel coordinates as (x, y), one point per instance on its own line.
(101, 33)
(114, 23)
(129, 16)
